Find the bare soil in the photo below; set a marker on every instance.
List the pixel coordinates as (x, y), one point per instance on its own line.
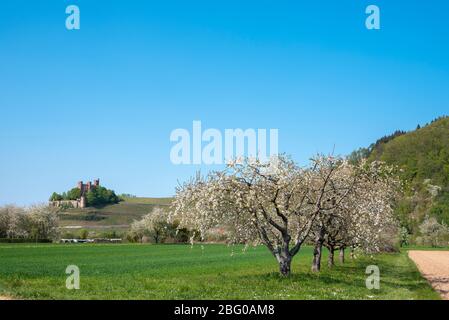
(434, 266)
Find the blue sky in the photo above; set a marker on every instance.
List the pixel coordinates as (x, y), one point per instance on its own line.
(102, 101)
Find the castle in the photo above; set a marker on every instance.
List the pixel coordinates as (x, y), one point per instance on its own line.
(81, 202)
(85, 188)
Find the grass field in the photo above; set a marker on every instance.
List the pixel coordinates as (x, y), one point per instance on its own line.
(184, 272)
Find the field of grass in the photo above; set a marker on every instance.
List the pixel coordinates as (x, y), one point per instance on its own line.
(154, 201)
(134, 271)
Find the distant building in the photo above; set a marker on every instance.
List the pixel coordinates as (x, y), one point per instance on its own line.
(81, 202)
(85, 188)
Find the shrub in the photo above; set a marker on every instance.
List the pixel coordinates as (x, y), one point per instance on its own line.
(433, 233)
(84, 234)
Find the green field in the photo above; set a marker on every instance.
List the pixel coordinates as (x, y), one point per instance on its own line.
(199, 272)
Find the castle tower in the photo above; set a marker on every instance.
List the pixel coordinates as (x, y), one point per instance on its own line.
(82, 187)
(96, 182)
(83, 201)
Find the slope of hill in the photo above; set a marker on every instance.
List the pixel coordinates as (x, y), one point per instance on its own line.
(115, 217)
(422, 154)
(423, 157)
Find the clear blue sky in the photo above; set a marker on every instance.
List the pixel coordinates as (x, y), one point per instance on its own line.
(102, 101)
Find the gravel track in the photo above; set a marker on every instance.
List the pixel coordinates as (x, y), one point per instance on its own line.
(434, 266)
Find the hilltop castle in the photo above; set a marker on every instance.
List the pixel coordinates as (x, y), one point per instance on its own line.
(85, 188)
(81, 202)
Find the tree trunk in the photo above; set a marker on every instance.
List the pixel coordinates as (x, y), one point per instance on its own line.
(285, 265)
(316, 263)
(342, 255)
(330, 260)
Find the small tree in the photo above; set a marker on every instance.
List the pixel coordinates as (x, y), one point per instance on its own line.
(84, 234)
(373, 226)
(404, 237)
(433, 233)
(13, 223)
(43, 221)
(9, 221)
(4, 221)
(154, 225)
(332, 222)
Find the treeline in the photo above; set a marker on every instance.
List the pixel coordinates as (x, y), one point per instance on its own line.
(97, 196)
(35, 223)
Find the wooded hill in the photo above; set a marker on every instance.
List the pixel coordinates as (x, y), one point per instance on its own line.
(422, 156)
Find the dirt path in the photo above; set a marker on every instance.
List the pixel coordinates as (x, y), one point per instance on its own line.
(434, 266)
(5, 298)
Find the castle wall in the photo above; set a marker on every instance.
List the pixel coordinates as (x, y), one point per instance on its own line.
(63, 203)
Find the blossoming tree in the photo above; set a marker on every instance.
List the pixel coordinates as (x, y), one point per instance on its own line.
(364, 217)
(277, 207)
(281, 208)
(152, 225)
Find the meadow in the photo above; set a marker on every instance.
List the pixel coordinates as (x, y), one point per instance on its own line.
(136, 271)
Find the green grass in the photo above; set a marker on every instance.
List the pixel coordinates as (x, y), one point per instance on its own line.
(154, 201)
(184, 272)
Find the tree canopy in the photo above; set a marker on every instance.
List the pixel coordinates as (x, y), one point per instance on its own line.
(99, 196)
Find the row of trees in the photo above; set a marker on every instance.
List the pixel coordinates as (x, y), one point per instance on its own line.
(332, 203)
(36, 222)
(72, 194)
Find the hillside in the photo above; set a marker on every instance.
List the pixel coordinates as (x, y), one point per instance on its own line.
(115, 217)
(422, 154)
(423, 157)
